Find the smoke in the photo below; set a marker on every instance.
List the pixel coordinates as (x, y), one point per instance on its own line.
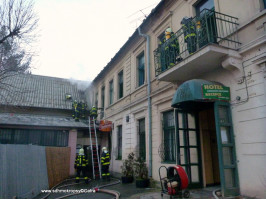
(81, 85)
(86, 88)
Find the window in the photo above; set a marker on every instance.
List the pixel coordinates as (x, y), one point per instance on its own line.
(142, 139)
(103, 90)
(161, 39)
(119, 142)
(96, 99)
(111, 92)
(141, 69)
(169, 136)
(208, 4)
(102, 105)
(120, 85)
(36, 137)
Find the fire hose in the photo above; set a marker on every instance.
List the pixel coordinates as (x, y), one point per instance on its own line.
(96, 189)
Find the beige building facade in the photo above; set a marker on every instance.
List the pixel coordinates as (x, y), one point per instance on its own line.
(167, 101)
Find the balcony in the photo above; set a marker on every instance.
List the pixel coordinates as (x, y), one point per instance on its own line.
(198, 47)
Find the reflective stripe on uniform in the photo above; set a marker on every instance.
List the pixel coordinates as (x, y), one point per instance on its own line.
(190, 35)
(107, 163)
(77, 177)
(103, 174)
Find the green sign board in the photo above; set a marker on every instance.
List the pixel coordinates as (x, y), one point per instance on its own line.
(217, 92)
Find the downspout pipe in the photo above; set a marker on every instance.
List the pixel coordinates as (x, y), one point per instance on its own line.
(149, 97)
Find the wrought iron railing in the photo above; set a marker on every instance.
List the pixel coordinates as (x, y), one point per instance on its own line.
(209, 27)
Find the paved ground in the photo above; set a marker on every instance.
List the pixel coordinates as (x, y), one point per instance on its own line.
(127, 191)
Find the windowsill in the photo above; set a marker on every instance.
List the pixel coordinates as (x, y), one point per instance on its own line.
(118, 100)
(168, 162)
(140, 87)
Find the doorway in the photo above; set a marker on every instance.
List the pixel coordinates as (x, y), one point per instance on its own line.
(197, 145)
(189, 147)
(210, 161)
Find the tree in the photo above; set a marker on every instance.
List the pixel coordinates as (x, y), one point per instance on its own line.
(18, 23)
(18, 18)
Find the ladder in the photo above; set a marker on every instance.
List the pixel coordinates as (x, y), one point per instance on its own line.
(96, 166)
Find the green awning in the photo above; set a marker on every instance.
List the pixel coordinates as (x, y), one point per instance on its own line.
(192, 91)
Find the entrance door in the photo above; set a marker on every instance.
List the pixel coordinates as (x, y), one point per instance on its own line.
(226, 149)
(188, 143)
(209, 146)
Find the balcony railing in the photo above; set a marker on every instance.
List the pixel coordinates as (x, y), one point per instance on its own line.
(209, 27)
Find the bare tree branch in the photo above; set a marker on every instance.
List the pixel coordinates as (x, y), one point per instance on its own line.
(18, 17)
(18, 24)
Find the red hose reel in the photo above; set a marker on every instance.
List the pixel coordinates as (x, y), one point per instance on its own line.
(175, 181)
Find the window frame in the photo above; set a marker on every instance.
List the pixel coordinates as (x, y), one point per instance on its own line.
(111, 92)
(142, 135)
(140, 69)
(169, 130)
(201, 3)
(40, 137)
(102, 96)
(119, 142)
(120, 84)
(96, 99)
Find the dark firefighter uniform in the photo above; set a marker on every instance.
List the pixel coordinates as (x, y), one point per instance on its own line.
(93, 112)
(81, 164)
(83, 110)
(105, 161)
(169, 50)
(75, 109)
(189, 30)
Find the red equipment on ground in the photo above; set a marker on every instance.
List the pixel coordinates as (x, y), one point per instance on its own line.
(174, 182)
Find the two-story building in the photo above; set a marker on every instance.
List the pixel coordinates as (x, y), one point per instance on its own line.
(37, 110)
(196, 99)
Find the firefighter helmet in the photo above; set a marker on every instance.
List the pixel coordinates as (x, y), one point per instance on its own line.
(81, 151)
(184, 20)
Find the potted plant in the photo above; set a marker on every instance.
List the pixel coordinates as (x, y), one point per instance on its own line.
(141, 173)
(127, 169)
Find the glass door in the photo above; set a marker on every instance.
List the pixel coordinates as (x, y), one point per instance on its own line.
(188, 147)
(226, 149)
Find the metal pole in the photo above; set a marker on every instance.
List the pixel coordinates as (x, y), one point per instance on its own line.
(91, 149)
(99, 164)
(149, 99)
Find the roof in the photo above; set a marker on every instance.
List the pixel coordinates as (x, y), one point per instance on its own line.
(40, 91)
(39, 120)
(130, 39)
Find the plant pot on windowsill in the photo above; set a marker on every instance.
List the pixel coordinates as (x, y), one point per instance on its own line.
(142, 183)
(127, 179)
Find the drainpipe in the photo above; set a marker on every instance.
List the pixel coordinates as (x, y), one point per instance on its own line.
(149, 98)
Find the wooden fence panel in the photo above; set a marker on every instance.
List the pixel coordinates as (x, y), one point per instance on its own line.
(58, 164)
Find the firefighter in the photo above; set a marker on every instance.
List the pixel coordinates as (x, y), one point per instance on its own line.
(169, 49)
(105, 161)
(83, 110)
(189, 31)
(75, 108)
(93, 112)
(81, 164)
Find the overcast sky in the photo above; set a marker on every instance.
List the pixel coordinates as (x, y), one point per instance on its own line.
(79, 37)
